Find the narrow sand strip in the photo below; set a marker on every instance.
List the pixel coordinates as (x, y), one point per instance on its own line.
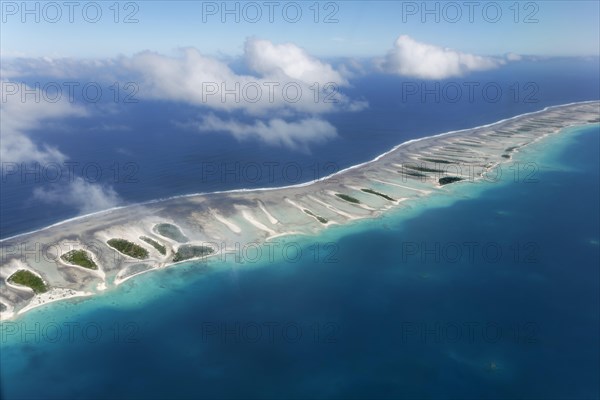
(298, 206)
(332, 208)
(402, 186)
(250, 218)
(119, 280)
(232, 227)
(271, 218)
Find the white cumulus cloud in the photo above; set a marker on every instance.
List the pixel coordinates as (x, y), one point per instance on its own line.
(87, 197)
(281, 78)
(425, 61)
(289, 60)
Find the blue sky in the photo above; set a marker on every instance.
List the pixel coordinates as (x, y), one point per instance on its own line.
(363, 29)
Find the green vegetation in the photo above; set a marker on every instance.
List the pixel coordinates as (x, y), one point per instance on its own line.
(505, 156)
(437, 160)
(189, 251)
(128, 248)
(594, 120)
(318, 217)
(172, 232)
(81, 258)
(349, 199)
(512, 148)
(161, 249)
(449, 179)
(422, 169)
(411, 173)
(371, 191)
(29, 279)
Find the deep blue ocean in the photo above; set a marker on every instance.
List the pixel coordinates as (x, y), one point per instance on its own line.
(146, 150)
(489, 292)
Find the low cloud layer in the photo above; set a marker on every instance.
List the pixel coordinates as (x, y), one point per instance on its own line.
(284, 89)
(293, 135)
(425, 61)
(19, 116)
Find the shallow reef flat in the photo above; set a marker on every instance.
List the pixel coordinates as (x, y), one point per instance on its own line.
(160, 234)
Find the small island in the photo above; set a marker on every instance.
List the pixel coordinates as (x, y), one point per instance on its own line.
(80, 258)
(128, 248)
(347, 198)
(189, 251)
(422, 169)
(318, 217)
(371, 191)
(172, 232)
(436, 160)
(413, 174)
(27, 278)
(159, 247)
(449, 179)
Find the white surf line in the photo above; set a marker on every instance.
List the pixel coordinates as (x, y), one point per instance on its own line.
(232, 227)
(299, 185)
(332, 208)
(402, 186)
(250, 218)
(271, 218)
